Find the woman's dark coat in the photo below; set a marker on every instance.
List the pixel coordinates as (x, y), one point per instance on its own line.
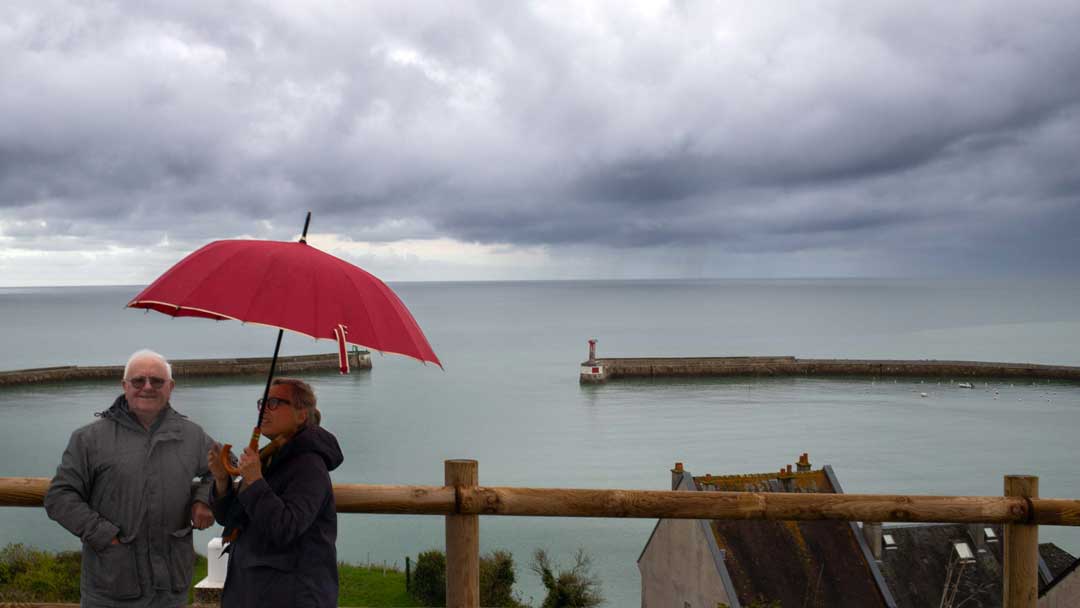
(285, 554)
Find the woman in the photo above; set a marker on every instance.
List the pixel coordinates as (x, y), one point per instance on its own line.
(282, 518)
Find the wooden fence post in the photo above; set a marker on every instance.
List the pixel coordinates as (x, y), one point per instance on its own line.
(462, 541)
(1021, 584)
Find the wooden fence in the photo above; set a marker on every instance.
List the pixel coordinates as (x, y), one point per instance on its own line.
(462, 500)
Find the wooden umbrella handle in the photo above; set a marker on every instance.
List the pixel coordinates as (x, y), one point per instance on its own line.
(226, 450)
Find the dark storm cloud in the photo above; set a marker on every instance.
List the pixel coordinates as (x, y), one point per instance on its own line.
(621, 126)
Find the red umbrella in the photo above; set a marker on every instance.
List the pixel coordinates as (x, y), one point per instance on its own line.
(290, 286)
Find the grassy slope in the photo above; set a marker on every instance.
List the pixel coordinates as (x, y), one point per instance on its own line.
(361, 586)
(357, 586)
(50, 578)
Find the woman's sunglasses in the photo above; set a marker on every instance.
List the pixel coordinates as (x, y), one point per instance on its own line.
(273, 402)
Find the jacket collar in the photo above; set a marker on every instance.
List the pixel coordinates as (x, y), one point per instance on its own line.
(120, 412)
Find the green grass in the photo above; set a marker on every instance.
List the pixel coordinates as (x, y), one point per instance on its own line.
(200, 573)
(358, 586)
(31, 575)
(368, 586)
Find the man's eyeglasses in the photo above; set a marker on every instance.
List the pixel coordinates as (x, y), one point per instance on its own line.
(273, 402)
(140, 381)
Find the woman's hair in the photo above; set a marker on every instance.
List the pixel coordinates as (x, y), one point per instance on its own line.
(305, 398)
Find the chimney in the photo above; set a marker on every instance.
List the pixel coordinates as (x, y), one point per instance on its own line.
(977, 532)
(804, 463)
(785, 476)
(676, 476)
(872, 534)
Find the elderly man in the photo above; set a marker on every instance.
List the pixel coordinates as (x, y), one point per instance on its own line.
(124, 486)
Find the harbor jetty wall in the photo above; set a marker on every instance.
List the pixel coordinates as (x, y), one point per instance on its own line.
(603, 369)
(189, 368)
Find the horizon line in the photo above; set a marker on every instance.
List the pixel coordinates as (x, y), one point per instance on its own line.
(627, 280)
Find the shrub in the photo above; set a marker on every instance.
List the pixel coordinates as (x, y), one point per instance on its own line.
(33, 575)
(429, 578)
(496, 579)
(574, 588)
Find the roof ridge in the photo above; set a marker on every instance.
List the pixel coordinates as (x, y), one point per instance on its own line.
(754, 475)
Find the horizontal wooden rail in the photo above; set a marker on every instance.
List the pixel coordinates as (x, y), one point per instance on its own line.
(405, 500)
(1056, 511)
(653, 504)
(23, 491)
(462, 500)
(742, 505)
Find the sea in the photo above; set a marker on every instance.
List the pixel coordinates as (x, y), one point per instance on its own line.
(509, 397)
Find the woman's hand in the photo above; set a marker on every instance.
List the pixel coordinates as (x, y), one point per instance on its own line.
(250, 467)
(213, 460)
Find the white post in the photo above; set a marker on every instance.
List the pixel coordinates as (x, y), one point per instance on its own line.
(208, 590)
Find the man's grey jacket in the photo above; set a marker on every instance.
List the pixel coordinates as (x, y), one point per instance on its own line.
(118, 479)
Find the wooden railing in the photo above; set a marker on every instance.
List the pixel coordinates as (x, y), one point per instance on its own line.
(462, 500)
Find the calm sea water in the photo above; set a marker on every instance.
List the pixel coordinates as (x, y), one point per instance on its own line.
(510, 397)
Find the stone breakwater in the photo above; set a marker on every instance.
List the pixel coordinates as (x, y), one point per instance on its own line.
(603, 369)
(189, 368)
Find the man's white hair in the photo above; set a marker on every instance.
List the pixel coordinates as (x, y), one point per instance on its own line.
(146, 354)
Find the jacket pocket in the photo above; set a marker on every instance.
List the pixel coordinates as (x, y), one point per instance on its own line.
(114, 572)
(181, 559)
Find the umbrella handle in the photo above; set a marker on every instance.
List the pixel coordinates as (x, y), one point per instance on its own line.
(227, 449)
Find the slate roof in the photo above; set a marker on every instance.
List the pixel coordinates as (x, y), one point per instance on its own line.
(827, 563)
(916, 569)
(1057, 559)
(806, 564)
(1058, 576)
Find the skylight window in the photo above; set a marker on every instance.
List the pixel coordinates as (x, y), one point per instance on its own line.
(963, 551)
(890, 542)
(991, 537)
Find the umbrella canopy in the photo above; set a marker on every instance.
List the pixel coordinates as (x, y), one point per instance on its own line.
(291, 286)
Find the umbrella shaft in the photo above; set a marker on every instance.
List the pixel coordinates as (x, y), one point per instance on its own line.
(266, 391)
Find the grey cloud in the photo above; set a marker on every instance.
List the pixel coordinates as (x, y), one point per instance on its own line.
(764, 131)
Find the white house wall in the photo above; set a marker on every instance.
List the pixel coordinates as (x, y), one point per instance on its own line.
(1065, 594)
(678, 569)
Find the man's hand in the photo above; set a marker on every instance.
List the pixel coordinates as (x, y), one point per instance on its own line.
(201, 516)
(250, 466)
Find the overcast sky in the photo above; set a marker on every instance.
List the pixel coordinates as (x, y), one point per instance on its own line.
(528, 140)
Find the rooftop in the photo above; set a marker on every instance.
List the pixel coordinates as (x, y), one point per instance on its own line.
(917, 567)
(810, 563)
